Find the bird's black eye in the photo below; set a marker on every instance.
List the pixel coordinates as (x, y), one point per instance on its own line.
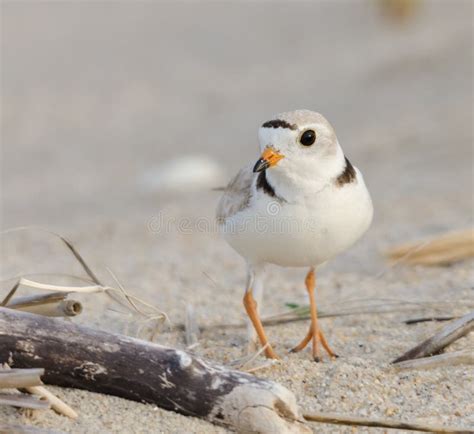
(308, 138)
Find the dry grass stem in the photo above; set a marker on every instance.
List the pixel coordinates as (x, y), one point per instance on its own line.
(132, 300)
(370, 305)
(62, 288)
(384, 306)
(154, 316)
(191, 329)
(442, 250)
(154, 313)
(267, 364)
(340, 419)
(66, 242)
(33, 275)
(149, 327)
(240, 363)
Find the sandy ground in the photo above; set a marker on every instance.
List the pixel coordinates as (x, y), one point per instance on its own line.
(83, 124)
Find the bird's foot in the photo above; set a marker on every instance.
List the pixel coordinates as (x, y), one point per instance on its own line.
(317, 337)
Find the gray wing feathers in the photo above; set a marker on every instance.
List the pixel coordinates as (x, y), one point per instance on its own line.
(236, 196)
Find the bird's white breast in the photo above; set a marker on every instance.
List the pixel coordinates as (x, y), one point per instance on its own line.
(305, 232)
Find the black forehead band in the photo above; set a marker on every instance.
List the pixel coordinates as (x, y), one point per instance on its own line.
(278, 123)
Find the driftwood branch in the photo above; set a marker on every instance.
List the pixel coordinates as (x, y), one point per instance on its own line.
(447, 335)
(339, 419)
(84, 358)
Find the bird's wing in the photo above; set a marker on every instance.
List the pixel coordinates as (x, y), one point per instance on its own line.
(236, 195)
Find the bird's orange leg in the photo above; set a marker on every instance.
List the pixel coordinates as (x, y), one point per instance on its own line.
(251, 308)
(314, 333)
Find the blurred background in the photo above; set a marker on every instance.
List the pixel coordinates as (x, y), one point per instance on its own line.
(114, 111)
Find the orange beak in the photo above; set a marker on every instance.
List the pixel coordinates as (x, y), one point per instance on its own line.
(270, 157)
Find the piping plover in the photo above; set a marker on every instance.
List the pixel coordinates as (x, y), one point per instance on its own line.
(299, 205)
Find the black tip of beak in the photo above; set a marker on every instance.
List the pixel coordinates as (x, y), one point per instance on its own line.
(260, 165)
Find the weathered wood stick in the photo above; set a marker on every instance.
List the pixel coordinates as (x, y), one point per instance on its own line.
(54, 304)
(17, 378)
(80, 357)
(447, 335)
(340, 419)
(465, 357)
(23, 401)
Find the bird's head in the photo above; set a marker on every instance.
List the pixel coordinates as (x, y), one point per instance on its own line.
(300, 142)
